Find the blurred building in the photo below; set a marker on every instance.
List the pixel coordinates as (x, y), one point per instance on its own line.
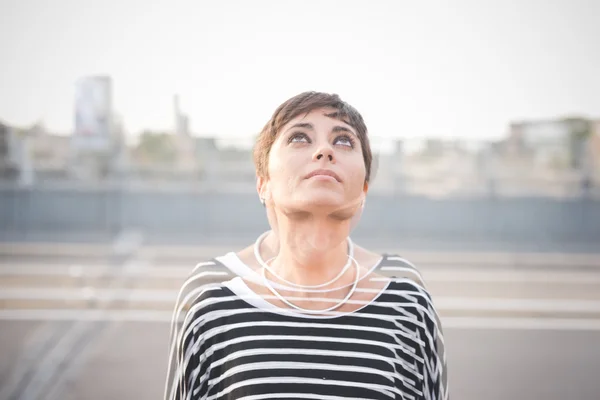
(594, 146)
(235, 165)
(9, 168)
(182, 121)
(558, 144)
(50, 153)
(32, 154)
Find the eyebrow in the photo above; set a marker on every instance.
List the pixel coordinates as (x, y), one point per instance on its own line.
(308, 125)
(338, 128)
(305, 125)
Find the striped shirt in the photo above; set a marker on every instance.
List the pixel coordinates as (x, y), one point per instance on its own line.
(228, 342)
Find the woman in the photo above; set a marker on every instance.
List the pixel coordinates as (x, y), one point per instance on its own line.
(303, 313)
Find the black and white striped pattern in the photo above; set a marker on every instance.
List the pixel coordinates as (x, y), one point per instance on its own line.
(229, 343)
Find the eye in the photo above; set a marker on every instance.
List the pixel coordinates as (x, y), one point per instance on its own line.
(299, 137)
(345, 140)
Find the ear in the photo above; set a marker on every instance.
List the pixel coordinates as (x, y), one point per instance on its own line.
(262, 188)
(259, 185)
(356, 218)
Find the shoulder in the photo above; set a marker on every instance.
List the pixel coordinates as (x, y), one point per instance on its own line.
(401, 270)
(392, 267)
(204, 283)
(389, 265)
(205, 274)
(407, 287)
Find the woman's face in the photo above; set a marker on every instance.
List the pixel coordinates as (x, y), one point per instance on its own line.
(316, 162)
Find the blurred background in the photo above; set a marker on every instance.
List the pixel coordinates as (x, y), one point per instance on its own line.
(126, 131)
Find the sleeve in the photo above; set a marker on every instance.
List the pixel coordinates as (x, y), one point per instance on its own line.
(186, 335)
(435, 386)
(436, 371)
(183, 361)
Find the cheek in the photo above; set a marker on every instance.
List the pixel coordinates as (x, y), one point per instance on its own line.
(357, 172)
(275, 165)
(283, 170)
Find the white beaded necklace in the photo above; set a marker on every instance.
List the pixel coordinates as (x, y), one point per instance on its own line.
(309, 311)
(308, 288)
(296, 285)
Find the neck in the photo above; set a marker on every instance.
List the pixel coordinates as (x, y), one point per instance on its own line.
(312, 250)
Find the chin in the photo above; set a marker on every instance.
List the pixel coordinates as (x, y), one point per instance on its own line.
(318, 199)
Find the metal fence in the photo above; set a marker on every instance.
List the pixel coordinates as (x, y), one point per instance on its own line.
(188, 214)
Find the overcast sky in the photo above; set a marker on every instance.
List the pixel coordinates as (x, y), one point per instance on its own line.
(453, 68)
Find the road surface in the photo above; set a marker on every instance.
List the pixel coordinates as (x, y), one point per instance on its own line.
(516, 327)
(127, 362)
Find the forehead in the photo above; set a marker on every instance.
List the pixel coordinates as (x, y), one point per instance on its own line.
(319, 115)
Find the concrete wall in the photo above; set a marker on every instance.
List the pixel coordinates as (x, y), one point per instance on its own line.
(180, 215)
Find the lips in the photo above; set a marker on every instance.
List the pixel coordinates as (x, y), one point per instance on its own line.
(325, 172)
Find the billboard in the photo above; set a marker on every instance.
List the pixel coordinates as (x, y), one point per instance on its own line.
(93, 110)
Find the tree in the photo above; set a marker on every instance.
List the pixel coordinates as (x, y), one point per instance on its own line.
(156, 147)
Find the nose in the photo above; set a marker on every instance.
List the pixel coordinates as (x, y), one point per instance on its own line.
(324, 151)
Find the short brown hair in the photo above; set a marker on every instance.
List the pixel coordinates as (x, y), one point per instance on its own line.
(304, 103)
